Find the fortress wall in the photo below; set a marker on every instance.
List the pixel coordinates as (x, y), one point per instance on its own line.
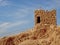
(46, 17)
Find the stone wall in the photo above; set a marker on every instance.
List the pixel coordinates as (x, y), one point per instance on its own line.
(46, 17)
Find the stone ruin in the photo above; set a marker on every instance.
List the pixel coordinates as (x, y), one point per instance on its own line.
(45, 18)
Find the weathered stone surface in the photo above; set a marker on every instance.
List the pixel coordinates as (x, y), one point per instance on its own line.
(43, 36)
(46, 17)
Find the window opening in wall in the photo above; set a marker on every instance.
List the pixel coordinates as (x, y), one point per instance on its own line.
(38, 19)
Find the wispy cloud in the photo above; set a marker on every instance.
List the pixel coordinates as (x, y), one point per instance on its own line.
(17, 23)
(18, 14)
(21, 13)
(5, 26)
(2, 27)
(4, 2)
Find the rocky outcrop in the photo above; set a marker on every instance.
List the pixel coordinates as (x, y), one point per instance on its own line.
(43, 36)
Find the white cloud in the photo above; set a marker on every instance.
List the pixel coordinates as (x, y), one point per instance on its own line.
(2, 27)
(17, 23)
(5, 26)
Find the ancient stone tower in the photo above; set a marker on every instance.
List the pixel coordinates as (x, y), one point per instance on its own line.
(43, 17)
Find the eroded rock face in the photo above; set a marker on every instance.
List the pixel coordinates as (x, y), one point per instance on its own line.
(43, 36)
(10, 41)
(29, 42)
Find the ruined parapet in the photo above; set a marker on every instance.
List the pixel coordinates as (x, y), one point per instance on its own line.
(43, 17)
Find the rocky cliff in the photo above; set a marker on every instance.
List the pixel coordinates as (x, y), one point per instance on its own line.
(44, 36)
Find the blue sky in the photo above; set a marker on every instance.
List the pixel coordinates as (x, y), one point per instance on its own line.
(18, 15)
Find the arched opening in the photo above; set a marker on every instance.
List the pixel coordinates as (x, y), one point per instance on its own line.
(38, 19)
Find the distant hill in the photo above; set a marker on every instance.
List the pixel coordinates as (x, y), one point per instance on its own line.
(44, 36)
